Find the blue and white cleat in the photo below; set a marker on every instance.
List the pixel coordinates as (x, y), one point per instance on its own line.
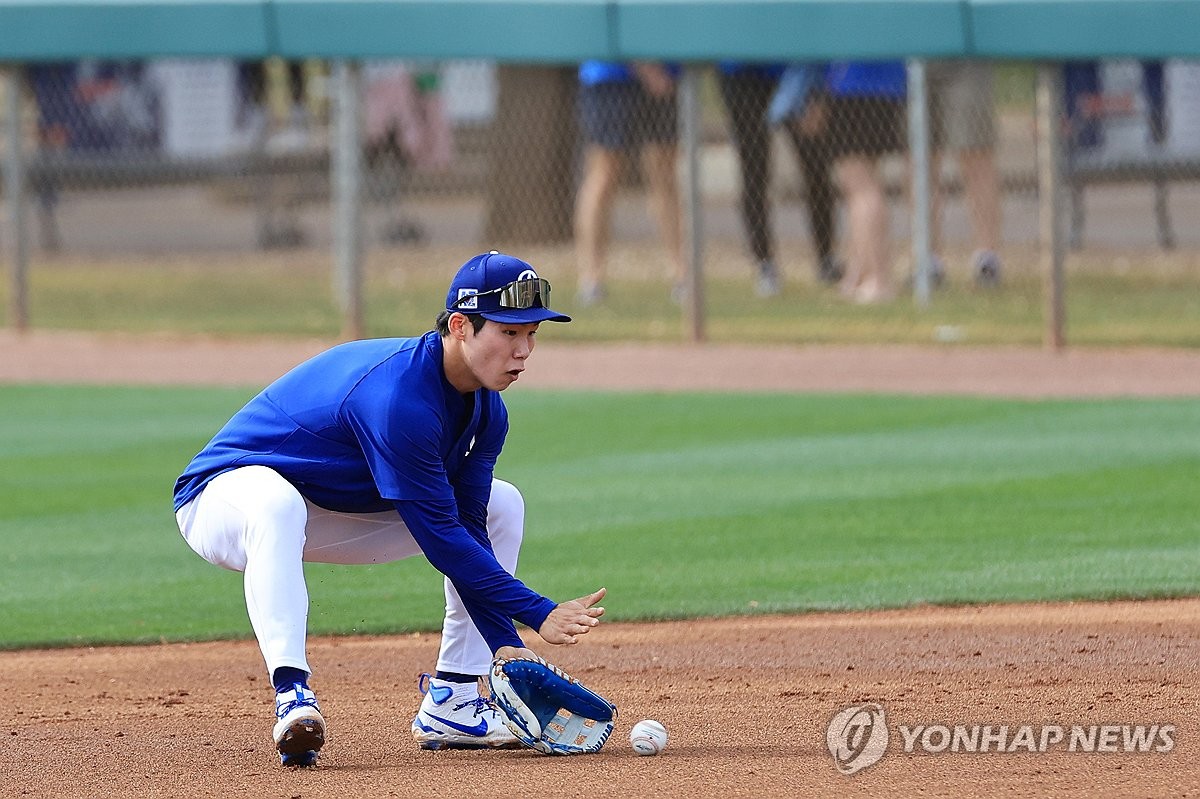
(300, 730)
(455, 716)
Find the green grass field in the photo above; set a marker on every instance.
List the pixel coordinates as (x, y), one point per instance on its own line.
(682, 505)
(1153, 300)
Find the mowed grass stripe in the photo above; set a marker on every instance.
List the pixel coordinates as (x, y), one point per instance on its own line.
(682, 505)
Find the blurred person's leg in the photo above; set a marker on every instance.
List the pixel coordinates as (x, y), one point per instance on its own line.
(969, 131)
(746, 95)
(1083, 105)
(868, 278)
(251, 82)
(820, 197)
(593, 219)
(294, 134)
(296, 85)
(52, 85)
(981, 180)
(607, 125)
(656, 126)
(861, 131)
(658, 165)
(1154, 87)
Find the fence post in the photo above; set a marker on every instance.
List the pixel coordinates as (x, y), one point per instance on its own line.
(346, 178)
(918, 144)
(14, 192)
(1050, 200)
(689, 112)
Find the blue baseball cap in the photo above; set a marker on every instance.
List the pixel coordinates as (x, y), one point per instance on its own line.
(501, 288)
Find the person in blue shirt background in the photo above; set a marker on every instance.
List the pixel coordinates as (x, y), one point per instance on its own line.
(374, 451)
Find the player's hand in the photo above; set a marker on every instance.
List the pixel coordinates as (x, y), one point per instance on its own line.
(572, 619)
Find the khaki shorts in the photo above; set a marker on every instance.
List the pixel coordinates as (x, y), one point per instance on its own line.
(961, 107)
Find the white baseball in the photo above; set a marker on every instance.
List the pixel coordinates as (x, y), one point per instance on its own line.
(648, 737)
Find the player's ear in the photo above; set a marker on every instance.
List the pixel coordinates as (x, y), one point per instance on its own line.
(458, 325)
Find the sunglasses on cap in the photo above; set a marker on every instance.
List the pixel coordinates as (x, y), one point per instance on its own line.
(519, 294)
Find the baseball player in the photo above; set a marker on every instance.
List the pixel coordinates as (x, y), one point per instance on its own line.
(378, 450)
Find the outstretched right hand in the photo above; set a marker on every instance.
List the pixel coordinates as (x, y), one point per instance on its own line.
(572, 619)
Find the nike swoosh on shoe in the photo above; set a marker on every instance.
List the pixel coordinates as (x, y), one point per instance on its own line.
(440, 693)
(479, 729)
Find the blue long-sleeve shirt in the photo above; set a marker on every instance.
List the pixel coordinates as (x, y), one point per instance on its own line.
(374, 425)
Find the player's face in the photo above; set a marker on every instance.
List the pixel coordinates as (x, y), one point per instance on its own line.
(495, 356)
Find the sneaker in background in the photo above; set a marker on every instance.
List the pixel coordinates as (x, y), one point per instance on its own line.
(768, 284)
(830, 269)
(985, 267)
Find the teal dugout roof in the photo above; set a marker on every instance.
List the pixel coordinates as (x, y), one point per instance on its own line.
(774, 30)
(43, 30)
(504, 30)
(1086, 29)
(568, 31)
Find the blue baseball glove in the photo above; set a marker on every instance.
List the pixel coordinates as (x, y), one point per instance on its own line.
(547, 709)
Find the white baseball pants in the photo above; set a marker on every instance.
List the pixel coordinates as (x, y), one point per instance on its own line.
(254, 521)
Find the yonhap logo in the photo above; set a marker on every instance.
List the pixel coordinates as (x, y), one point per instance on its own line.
(857, 737)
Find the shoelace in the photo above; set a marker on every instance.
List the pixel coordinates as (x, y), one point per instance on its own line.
(288, 707)
(480, 704)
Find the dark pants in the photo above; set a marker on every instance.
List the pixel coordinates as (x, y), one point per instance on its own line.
(252, 81)
(816, 167)
(747, 96)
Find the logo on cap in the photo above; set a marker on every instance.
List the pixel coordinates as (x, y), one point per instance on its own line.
(467, 305)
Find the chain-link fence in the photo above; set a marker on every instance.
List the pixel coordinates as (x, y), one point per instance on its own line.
(804, 170)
